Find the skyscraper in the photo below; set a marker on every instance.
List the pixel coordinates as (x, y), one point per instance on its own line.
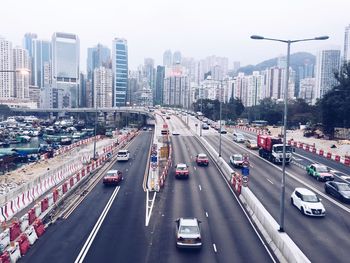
(41, 59)
(177, 58)
(102, 87)
(327, 62)
(6, 78)
(167, 58)
(28, 45)
(159, 85)
(21, 63)
(98, 56)
(120, 70)
(346, 57)
(65, 70)
(149, 73)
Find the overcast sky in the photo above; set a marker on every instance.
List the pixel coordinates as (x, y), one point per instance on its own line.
(198, 28)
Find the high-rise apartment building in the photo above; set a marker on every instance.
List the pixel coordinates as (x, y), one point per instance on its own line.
(327, 63)
(103, 87)
(307, 89)
(6, 78)
(159, 85)
(65, 70)
(21, 75)
(167, 58)
(346, 53)
(120, 71)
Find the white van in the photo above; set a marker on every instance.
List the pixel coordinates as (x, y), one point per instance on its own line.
(123, 155)
(238, 137)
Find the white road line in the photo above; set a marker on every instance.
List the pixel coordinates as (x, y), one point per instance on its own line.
(214, 246)
(194, 167)
(200, 188)
(206, 214)
(149, 209)
(97, 226)
(269, 180)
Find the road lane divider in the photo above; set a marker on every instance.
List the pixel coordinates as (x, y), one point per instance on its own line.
(96, 228)
(149, 206)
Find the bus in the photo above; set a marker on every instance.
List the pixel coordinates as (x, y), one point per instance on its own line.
(259, 123)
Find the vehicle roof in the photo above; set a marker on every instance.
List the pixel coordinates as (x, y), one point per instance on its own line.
(237, 155)
(188, 221)
(304, 191)
(181, 165)
(112, 171)
(120, 151)
(318, 165)
(202, 155)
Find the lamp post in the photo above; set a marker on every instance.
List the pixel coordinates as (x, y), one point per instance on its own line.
(95, 127)
(220, 119)
(288, 42)
(200, 121)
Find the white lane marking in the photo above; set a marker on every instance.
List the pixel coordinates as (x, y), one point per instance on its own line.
(97, 226)
(206, 214)
(269, 180)
(148, 208)
(194, 167)
(214, 246)
(200, 188)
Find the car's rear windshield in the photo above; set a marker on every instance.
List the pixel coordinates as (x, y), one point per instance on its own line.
(189, 230)
(322, 169)
(202, 157)
(181, 168)
(238, 158)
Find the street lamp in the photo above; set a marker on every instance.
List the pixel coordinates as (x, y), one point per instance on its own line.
(200, 122)
(220, 118)
(95, 127)
(288, 42)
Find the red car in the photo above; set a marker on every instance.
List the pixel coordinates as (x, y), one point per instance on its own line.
(181, 170)
(202, 159)
(112, 177)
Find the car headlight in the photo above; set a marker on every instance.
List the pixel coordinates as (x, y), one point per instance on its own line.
(307, 207)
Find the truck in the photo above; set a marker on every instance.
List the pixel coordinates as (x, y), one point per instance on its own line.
(271, 148)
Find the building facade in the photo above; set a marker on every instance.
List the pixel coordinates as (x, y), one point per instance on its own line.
(103, 87)
(65, 70)
(120, 71)
(327, 63)
(6, 66)
(21, 66)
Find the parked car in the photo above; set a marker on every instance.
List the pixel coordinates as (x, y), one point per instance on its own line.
(112, 177)
(181, 170)
(123, 155)
(236, 160)
(251, 144)
(202, 159)
(238, 137)
(320, 172)
(307, 202)
(339, 190)
(187, 233)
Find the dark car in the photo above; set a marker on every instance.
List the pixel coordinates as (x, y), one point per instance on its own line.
(339, 190)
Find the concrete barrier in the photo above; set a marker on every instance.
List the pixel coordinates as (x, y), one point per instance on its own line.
(282, 245)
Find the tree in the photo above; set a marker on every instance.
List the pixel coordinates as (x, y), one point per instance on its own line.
(335, 104)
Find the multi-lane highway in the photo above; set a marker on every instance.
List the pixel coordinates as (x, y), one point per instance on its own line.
(109, 225)
(321, 239)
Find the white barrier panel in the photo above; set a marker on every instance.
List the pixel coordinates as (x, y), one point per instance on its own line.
(37, 209)
(32, 237)
(50, 199)
(24, 222)
(14, 253)
(5, 238)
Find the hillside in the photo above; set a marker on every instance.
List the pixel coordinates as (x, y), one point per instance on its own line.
(296, 60)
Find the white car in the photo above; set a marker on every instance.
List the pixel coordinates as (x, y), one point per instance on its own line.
(188, 233)
(238, 137)
(307, 202)
(123, 155)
